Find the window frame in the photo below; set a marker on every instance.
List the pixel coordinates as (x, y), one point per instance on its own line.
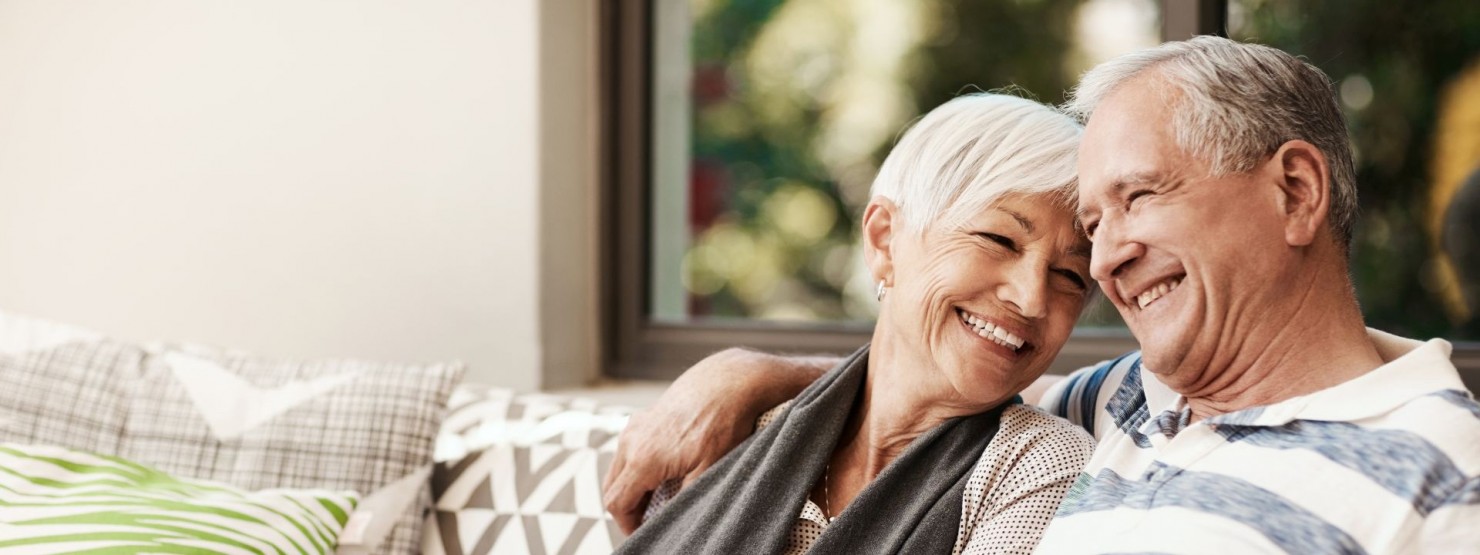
(636, 347)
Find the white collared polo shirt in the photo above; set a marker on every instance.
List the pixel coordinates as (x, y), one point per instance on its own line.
(1388, 462)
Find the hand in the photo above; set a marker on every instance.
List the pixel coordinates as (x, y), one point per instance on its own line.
(707, 411)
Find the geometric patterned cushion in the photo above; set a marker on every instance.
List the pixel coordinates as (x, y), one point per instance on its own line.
(251, 422)
(523, 475)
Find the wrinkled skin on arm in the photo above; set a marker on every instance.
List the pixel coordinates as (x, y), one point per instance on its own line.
(707, 411)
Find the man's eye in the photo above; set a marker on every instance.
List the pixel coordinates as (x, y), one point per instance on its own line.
(1089, 229)
(1130, 200)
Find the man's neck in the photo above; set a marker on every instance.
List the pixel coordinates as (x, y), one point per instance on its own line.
(1317, 342)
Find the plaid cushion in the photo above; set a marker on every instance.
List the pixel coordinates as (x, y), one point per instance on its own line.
(522, 474)
(70, 395)
(344, 424)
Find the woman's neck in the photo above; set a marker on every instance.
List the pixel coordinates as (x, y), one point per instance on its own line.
(903, 397)
(887, 417)
(896, 405)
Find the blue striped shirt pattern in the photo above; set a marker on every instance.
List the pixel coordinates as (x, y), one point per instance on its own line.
(1386, 463)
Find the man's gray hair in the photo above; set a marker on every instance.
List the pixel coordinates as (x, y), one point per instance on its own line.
(1238, 103)
(969, 153)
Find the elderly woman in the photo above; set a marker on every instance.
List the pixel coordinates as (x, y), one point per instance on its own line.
(915, 443)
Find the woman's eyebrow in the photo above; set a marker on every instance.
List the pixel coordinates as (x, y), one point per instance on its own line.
(1026, 223)
(1080, 250)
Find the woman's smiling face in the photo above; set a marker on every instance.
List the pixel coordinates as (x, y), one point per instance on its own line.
(987, 302)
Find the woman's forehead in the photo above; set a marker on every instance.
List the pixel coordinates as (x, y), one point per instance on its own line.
(1034, 218)
(1032, 214)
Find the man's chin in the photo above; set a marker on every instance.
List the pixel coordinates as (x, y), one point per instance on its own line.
(1162, 347)
(1168, 361)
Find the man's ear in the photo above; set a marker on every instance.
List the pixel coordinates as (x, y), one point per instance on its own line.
(1305, 190)
(880, 221)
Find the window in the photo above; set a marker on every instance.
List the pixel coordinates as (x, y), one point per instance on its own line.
(771, 119)
(744, 136)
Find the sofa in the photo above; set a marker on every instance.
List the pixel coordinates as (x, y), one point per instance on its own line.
(375, 457)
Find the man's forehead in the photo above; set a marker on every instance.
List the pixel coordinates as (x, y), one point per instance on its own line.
(1134, 113)
(1124, 146)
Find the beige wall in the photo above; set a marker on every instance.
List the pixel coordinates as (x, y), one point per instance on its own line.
(364, 178)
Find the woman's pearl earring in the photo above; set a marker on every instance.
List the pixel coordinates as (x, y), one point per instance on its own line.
(879, 294)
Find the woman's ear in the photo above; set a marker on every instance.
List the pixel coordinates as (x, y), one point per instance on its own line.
(880, 219)
(1305, 190)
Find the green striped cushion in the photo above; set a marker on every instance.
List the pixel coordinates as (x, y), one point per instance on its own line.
(56, 500)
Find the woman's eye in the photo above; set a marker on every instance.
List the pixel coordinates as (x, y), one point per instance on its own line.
(1075, 279)
(1000, 240)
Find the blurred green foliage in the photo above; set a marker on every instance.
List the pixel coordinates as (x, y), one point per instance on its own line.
(796, 102)
(1391, 62)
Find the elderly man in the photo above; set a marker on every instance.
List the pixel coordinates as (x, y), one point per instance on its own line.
(1217, 185)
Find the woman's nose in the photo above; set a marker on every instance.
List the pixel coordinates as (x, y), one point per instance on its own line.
(1026, 290)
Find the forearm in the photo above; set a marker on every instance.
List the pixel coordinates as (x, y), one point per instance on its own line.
(768, 380)
(707, 411)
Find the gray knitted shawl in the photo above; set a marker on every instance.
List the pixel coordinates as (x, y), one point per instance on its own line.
(748, 502)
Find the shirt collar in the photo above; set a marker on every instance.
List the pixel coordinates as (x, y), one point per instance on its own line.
(1159, 397)
(1411, 369)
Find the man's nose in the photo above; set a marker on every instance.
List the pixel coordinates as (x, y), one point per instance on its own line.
(1113, 253)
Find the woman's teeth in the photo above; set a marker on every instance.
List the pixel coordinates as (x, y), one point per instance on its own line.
(988, 330)
(1157, 291)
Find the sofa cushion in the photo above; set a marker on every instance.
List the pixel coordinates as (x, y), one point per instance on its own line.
(56, 500)
(259, 422)
(249, 421)
(522, 474)
(73, 394)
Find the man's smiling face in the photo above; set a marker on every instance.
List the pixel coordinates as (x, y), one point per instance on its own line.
(1184, 257)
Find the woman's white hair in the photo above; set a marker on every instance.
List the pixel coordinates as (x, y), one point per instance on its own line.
(1234, 104)
(967, 154)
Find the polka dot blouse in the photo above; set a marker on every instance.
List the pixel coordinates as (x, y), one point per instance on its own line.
(1012, 493)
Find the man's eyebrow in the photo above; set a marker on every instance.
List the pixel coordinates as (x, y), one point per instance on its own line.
(1131, 180)
(1026, 223)
(1139, 178)
(1117, 189)
(1079, 215)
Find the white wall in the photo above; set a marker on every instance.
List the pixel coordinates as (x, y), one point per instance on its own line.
(298, 178)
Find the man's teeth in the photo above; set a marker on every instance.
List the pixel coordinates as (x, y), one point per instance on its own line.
(1157, 291)
(997, 335)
